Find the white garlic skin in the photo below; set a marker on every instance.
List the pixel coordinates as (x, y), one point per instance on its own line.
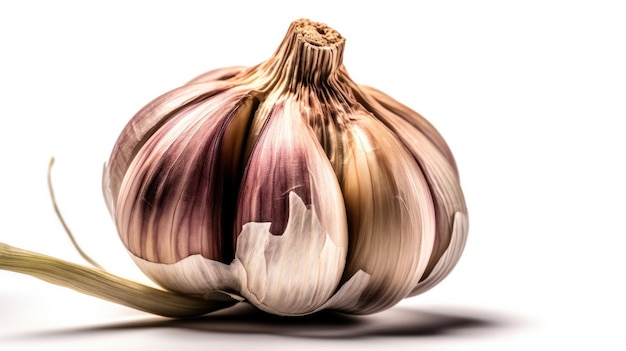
(288, 184)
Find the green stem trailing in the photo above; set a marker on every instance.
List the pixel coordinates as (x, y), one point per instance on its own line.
(99, 283)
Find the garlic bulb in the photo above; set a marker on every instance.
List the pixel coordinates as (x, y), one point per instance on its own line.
(288, 185)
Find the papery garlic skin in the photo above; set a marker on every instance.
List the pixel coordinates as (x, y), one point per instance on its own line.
(289, 274)
(288, 184)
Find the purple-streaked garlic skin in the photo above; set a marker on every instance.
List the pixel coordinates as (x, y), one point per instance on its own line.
(288, 184)
(181, 195)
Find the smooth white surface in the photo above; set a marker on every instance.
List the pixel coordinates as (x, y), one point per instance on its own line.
(530, 96)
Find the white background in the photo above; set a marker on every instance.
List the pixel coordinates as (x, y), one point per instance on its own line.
(530, 96)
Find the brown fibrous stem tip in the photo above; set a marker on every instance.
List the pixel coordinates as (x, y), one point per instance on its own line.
(316, 33)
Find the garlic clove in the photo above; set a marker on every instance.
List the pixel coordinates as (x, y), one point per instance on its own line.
(390, 213)
(168, 208)
(432, 154)
(141, 127)
(298, 269)
(444, 186)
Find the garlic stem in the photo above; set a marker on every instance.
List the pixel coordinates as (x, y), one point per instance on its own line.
(311, 54)
(104, 285)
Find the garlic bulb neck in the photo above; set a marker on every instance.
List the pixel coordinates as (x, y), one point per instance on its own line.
(310, 54)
